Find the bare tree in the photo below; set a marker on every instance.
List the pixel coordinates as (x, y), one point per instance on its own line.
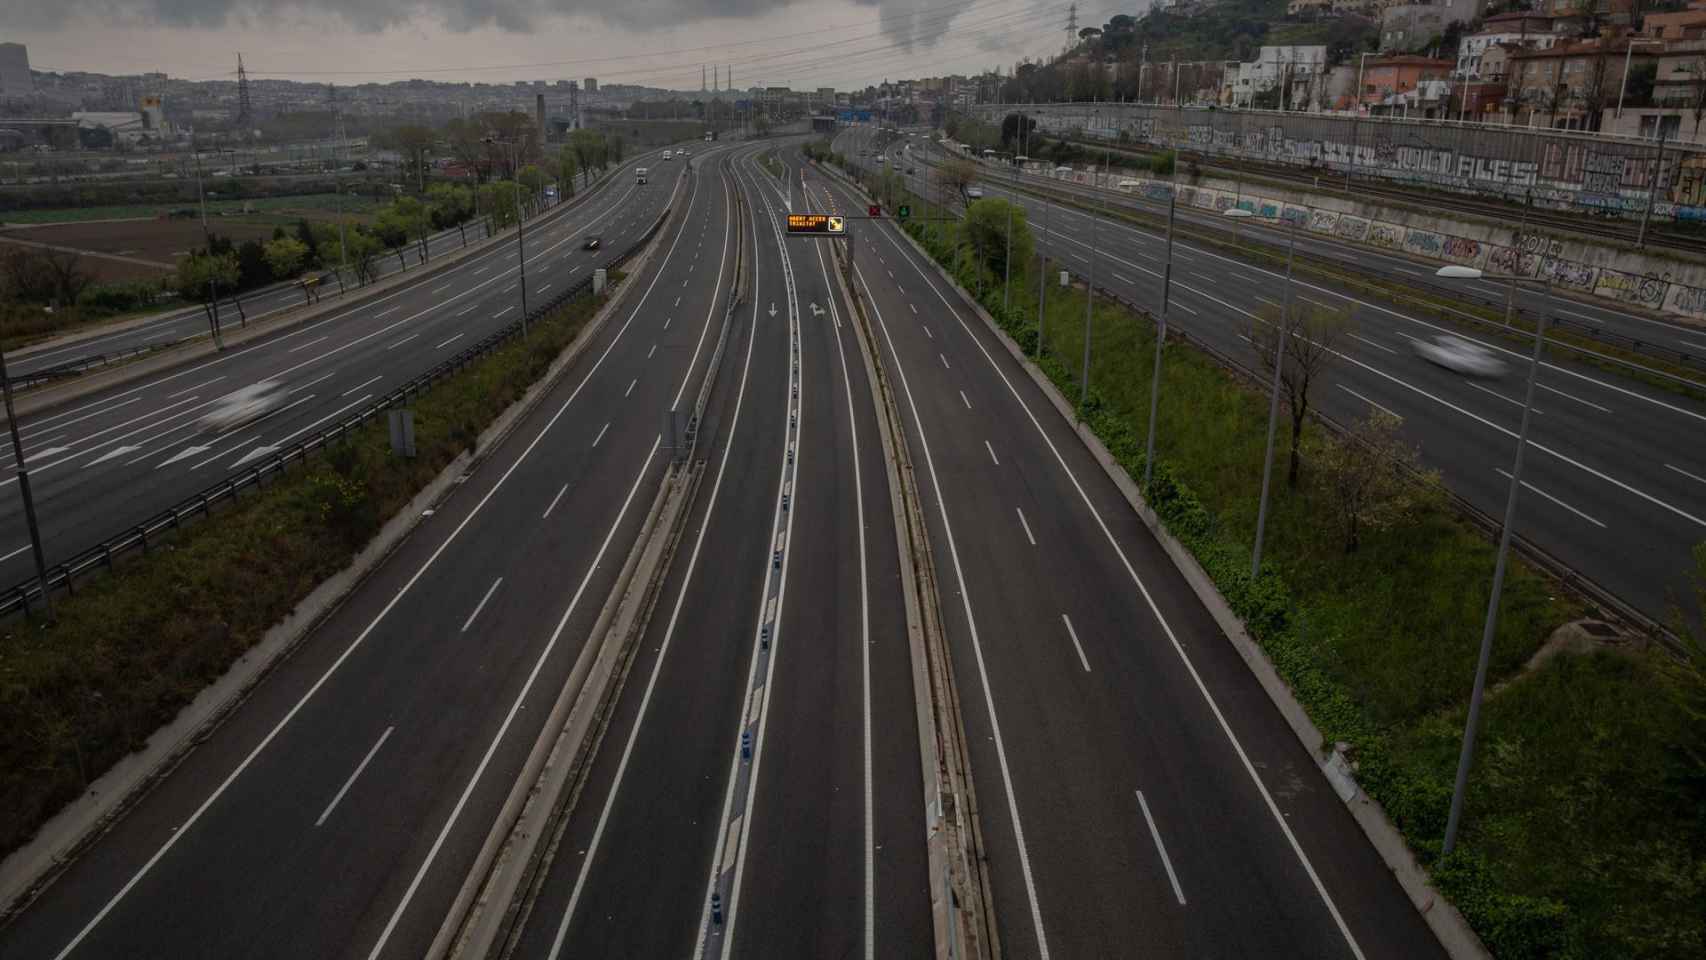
(1313, 336)
(957, 175)
(1372, 479)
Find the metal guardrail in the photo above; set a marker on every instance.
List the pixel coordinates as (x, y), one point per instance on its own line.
(103, 554)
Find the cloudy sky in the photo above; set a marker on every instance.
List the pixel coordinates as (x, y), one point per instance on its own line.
(799, 43)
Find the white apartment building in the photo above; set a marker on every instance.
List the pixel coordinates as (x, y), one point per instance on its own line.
(1275, 65)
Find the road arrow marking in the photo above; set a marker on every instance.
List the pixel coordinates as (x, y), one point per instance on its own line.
(51, 451)
(114, 452)
(772, 309)
(187, 452)
(254, 454)
(817, 311)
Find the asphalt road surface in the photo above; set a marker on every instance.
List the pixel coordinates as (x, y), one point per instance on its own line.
(1615, 480)
(339, 809)
(113, 459)
(1136, 785)
(781, 622)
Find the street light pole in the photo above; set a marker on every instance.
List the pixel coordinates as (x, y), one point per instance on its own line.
(24, 490)
(1356, 120)
(1042, 279)
(1007, 293)
(1284, 327)
(1090, 286)
(1160, 341)
(1467, 755)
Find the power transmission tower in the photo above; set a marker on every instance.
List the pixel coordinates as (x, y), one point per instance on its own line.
(1071, 25)
(245, 117)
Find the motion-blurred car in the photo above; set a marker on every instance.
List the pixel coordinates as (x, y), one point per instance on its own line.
(245, 405)
(1463, 356)
(592, 243)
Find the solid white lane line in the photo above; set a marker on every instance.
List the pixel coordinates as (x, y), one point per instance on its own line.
(1020, 511)
(964, 400)
(1529, 486)
(1571, 396)
(358, 386)
(971, 623)
(600, 433)
(14, 553)
(1389, 411)
(174, 396)
(351, 781)
(1075, 644)
(1377, 346)
(1495, 393)
(1149, 601)
(992, 455)
(630, 386)
(402, 341)
(447, 343)
(554, 500)
(1161, 848)
(1691, 476)
(481, 605)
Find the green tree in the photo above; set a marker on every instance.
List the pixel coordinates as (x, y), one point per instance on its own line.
(532, 180)
(415, 217)
(449, 205)
(567, 166)
(616, 147)
(1370, 478)
(414, 141)
(286, 256)
(205, 276)
(586, 145)
(986, 228)
(956, 175)
(1314, 337)
(498, 199)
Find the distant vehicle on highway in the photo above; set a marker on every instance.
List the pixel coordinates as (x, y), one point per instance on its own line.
(974, 192)
(667, 155)
(592, 243)
(245, 405)
(1463, 356)
(639, 174)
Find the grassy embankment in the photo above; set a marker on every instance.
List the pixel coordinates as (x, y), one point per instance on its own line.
(1584, 833)
(131, 649)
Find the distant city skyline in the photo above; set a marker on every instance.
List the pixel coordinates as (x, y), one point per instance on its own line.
(857, 43)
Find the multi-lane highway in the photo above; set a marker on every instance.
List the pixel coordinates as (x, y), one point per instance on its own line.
(120, 456)
(1614, 487)
(340, 808)
(1136, 785)
(764, 750)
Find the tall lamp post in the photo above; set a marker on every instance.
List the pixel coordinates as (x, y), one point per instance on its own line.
(1090, 286)
(1356, 119)
(24, 491)
(520, 230)
(1160, 341)
(1239, 213)
(1467, 756)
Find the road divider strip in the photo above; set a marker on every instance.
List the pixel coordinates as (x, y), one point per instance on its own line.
(961, 901)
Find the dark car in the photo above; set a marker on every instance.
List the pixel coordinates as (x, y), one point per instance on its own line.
(592, 243)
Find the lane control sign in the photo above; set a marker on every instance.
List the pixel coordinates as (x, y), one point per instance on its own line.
(816, 225)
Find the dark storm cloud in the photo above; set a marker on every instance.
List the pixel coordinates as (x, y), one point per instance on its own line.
(902, 21)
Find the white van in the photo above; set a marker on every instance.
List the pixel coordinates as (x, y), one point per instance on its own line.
(666, 155)
(974, 192)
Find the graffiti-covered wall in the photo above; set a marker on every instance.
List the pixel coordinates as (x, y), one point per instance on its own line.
(1649, 280)
(1565, 171)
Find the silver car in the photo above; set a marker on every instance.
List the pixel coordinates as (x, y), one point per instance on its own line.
(245, 405)
(1464, 356)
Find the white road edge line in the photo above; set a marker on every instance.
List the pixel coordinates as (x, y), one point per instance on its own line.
(351, 781)
(1149, 600)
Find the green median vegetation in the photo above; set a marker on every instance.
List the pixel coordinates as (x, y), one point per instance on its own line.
(1586, 815)
(131, 649)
